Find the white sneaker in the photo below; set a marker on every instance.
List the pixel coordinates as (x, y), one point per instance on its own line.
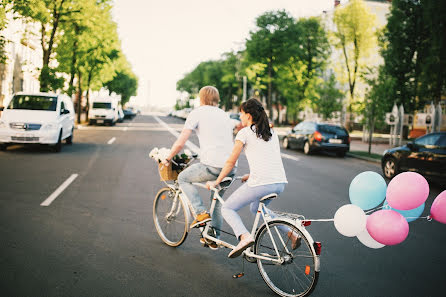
(241, 246)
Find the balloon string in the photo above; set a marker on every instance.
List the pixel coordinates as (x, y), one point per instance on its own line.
(331, 220)
(320, 220)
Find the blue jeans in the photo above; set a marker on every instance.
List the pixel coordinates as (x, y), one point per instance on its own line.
(243, 196)
(199, 173)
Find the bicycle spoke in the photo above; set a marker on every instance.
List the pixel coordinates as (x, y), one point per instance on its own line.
(169, 215)
(295, 275)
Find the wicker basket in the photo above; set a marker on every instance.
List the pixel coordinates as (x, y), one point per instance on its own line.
(166, 172)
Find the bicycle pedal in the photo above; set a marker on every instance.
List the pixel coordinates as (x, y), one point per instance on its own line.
(238, 275)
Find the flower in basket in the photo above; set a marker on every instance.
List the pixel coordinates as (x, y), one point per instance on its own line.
(159, 155)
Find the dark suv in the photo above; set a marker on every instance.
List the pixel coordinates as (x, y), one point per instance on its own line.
(311, 137)
(425, 155)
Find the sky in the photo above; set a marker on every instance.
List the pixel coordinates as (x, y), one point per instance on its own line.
(164, 40)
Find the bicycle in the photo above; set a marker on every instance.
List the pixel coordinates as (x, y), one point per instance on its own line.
(287, 271)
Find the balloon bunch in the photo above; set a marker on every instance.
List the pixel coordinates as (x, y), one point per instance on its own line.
(403, 202)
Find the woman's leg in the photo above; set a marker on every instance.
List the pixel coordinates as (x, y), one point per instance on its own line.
(241, 197)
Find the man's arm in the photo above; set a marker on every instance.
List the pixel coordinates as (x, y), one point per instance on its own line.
(230, 163)
(179, 144)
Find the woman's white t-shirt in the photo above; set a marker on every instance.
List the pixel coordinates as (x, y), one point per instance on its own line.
(265, 162)
(214, 131)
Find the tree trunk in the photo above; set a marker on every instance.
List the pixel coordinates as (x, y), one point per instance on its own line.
(73, 61)
(90, 74)
(79, 98)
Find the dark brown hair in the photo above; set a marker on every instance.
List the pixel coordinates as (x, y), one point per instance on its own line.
(259, 118)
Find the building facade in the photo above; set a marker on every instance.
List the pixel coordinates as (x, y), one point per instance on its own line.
(24, 56)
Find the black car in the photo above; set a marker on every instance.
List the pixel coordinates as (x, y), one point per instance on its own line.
(312, 137)
(129, 113)
(425, 155)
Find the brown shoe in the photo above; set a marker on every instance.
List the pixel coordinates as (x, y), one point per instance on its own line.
(200, 220)
(295, 239)
(210, 244)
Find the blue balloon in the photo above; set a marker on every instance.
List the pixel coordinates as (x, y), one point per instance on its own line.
(367, 190)
(410, 215)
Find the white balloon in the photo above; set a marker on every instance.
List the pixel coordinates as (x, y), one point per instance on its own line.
(367, 240)
(350, 220)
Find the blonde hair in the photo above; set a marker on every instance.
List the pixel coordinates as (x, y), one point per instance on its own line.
(209, 95)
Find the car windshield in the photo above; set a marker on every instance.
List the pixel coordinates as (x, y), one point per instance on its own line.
(103, 105)
(430, 139)
(332, 129)
(33, 102)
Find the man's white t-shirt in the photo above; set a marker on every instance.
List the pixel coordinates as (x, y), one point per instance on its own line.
(265, 162)
(214, 131)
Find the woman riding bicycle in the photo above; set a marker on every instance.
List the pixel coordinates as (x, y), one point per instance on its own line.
(266, 176)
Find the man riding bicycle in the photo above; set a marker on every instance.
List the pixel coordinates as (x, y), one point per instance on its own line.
(214, 131)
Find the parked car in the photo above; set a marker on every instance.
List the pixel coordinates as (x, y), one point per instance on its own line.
(312, 137)
(129, 113)
(42, 118)
(103, 111)
(425, 155)
(235, 122)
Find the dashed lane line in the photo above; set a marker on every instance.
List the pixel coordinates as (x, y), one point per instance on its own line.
(111, 140)
(59, 190)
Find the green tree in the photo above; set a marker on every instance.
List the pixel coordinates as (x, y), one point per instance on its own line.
(3, 23)
(269, 44)
(328, 98)
(50, 14)
(433, 52)
(355, 37)
(298, 78)
(124, 84)
(402, 44)
(378, 99)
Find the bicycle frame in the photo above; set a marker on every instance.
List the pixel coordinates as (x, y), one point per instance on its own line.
(266, 219)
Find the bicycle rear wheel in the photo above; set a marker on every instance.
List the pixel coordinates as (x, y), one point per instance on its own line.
(295, 275)
(170, 217)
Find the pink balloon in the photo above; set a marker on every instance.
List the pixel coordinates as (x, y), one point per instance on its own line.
(387, 227)
(407, 190)
(438, 208)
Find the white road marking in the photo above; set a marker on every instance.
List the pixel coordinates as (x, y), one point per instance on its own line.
(286, 156)
(59, 190)
(189, 144)
(111, 140)
(125, 129)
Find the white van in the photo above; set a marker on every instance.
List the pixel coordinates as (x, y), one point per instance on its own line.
(103, 111)
(43, 118)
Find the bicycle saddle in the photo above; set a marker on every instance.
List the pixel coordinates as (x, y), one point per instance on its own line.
(269, 197)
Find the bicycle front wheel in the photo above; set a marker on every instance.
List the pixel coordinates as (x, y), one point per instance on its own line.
(170, 217)
(294, 274)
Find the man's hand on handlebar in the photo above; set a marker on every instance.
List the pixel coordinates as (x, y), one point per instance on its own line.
(165, 162)
(211, 184)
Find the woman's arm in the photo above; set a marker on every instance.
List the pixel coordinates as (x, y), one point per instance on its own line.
(230, 163)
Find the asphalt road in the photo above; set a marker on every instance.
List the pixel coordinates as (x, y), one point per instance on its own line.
(97, 238)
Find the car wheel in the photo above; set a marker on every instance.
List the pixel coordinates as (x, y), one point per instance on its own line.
(285, 143)
(390, 168)
(340, 154)
(69, 139)
(58, 146)
(3, 147)
(307, 149)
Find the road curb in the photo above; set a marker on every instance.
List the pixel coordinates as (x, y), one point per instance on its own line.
(363, 158)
